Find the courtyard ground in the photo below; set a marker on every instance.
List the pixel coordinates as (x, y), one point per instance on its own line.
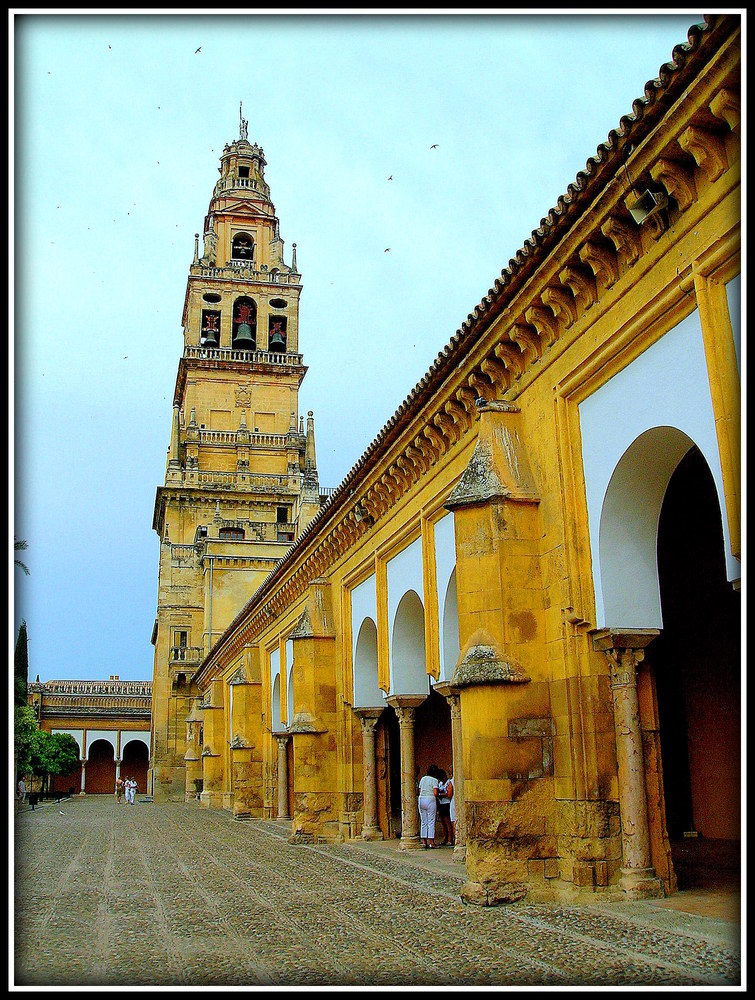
(179, 895)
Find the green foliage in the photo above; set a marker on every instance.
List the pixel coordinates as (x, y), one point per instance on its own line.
(25, 730)
(20, 666)
(54, 753)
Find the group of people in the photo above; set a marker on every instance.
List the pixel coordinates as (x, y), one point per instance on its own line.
(436, 799)
(126, 788)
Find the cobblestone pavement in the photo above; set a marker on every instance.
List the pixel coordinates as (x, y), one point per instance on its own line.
(176, 894)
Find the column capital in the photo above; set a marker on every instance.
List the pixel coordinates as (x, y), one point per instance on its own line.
(282, 737)
(621, 639)
(405, 706)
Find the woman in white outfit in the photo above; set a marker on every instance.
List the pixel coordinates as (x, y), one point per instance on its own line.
(427, 806)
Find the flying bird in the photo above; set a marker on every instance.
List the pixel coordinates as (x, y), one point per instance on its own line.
(125, 357)
(198, 50)
(390, 178)
(434, 146)
(387, 249)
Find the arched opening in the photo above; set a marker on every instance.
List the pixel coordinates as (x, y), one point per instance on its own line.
(696, 664)
(276, 334)
(433, 743)
(629, 527)
(242, 247)
(244, 329)
(99, 778)
(277, 725)
(450, 630)
(367, 693)
(135, 763)
(408, 670)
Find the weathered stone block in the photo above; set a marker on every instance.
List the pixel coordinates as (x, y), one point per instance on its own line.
(479, 894)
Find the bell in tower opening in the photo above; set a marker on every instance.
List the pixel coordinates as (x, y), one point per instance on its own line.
(277, 335)
(210, 330)
(244, 325)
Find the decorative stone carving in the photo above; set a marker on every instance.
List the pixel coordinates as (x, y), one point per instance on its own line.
(561, 303)
(544, 322)
(483, 663)
(527, 341)
(707, 148)
(511, 358)
(601, 261)
(624, 237)
(678, 181)
(581, 284)
(727, 105)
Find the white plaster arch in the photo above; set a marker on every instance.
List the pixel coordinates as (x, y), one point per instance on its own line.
(108, 735)
(629, 527)
(449, 630)
(275, 718)
(665, 386)
(275, 691)
(367, 692)
(363, 605)
(404, 573)
(136, 738)
(445, 580)
(407, 660)
(289, 682)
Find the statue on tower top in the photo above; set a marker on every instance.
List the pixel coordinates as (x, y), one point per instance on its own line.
(243, 124)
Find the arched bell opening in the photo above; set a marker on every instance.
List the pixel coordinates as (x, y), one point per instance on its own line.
(695, 664)
(100, 768)
(242, 247)
(244, 329)
(209, 334)
(276, 335)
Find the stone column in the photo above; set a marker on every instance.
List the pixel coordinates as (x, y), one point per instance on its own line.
(368, 718)
(117, 768)
(454, 703)
(282, 740)
(405, 706)
(83, 776)
(624, 651)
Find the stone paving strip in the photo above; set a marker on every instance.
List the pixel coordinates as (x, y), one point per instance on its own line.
(168, 895)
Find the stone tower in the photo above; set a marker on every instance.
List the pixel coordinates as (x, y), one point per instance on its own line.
(241, 478)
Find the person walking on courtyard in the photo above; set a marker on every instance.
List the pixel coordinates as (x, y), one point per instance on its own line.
(118, 788)
(21, 790)
(132, 800)
(426, 803)
(128, 787)
(444, 806)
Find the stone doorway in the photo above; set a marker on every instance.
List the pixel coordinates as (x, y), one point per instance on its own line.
(433, 743)
(696, 662)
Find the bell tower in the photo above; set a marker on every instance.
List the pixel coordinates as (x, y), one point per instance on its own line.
(240, 480)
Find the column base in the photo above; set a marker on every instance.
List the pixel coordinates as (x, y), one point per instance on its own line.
(372, 833)
(641, 883)
(82, 792)
(410, 844)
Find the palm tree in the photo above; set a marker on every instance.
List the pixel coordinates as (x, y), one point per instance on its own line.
(18, 545)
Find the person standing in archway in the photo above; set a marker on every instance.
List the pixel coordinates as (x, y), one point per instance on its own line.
(445, 794)
(427, 805)
(118, 789)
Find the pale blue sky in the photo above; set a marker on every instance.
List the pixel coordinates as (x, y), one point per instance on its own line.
(118, 128)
